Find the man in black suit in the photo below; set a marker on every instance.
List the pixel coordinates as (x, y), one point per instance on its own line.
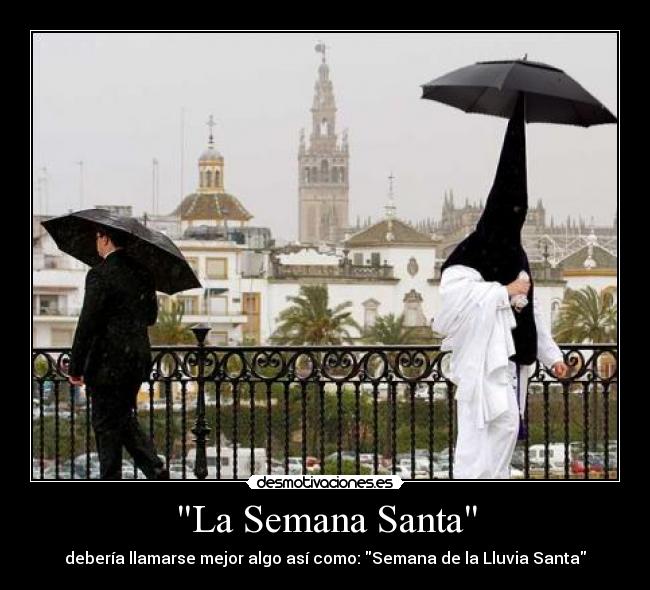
(111, 354)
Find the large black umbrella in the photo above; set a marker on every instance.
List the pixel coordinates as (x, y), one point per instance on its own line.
(75, 234)
(492, 88)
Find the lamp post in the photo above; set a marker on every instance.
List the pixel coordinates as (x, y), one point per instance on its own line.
(201, 430)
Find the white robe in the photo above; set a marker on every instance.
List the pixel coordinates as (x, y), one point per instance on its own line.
(477, 321)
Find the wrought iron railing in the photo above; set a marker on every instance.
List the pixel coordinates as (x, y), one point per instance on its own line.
(229, 412)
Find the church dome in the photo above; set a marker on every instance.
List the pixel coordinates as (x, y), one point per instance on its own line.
(212, 206)
(210, 155)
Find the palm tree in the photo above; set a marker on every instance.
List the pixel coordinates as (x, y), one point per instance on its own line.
(169, 329)
(388, 329)
(586, 317)
(309, 321)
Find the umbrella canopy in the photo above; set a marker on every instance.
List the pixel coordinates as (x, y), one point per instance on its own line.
(75, 233)
(492, 88)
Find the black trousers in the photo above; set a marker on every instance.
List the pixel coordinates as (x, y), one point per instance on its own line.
(116, 426)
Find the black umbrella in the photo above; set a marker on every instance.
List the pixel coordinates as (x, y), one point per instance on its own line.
(492, 88)
(75, 234)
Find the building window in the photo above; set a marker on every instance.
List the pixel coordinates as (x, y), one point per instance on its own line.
(218, 305)
(369, 318)
(413, 313)
(49, 305)
(208, 176)
(251, 308)
(357, 258)
(324, 127)
(314, 174)
(410, 316)
(217, 268)
(370, 313)
(375, 259)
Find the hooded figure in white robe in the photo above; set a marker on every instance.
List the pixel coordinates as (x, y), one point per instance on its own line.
(493, 347)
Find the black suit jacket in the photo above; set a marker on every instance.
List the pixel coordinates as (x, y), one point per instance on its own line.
(111, 344)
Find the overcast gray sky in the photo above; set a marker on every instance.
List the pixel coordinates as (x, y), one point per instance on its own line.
(114, 101)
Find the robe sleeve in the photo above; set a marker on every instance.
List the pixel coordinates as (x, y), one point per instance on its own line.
(477, 321)
(548, 351)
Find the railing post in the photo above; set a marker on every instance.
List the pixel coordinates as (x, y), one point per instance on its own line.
(201, 429)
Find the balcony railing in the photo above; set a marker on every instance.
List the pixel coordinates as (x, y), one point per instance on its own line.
(58, 311)
(229, 412)
(343, 271)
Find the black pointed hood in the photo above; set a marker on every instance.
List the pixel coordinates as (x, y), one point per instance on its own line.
(494, 248)
(507, 204)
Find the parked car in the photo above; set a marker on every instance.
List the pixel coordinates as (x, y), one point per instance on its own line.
(369, 459)
(439, 391)
(64, 472)
(516, 473)
(556, 456)
(312, 462)
(441, 467)
(227, 463)
(519, 458)
(445, 452)
(176, 470)
(422, 391)
(36, 467)
(277, 467)
(295, 465)
(404, 469)
(83, 462)
(596, 464)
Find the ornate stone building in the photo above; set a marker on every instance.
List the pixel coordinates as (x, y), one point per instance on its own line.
(542, 239)
(323, 165)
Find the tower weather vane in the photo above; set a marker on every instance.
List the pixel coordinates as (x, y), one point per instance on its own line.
(390, 205)
(211, 124)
